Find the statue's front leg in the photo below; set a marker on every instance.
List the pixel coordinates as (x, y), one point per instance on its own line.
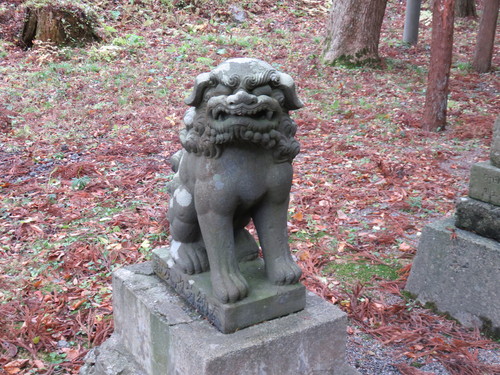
(228, 283)
(271, 223)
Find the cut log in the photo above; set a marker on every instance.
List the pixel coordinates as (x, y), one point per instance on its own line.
(59, 24)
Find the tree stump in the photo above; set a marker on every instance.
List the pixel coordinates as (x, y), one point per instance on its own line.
(60, 23)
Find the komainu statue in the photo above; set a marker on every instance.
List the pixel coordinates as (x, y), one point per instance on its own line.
(235, 167)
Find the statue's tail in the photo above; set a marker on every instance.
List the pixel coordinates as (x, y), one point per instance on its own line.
(175, 160)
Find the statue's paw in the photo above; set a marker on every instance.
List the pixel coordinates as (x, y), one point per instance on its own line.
(190, 258)
(230, 287)
(283, 271)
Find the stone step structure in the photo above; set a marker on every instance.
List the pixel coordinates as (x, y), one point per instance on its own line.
(158, 333)
(457, 266)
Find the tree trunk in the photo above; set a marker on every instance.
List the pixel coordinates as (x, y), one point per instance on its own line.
(69, 25)
(486, 37)
(436, 98)
(353, 32)
(465, 8)
(412, 17)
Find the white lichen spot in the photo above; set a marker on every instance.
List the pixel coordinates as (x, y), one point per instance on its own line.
(174, 249)
(183, 197)
(170, 263)
(219, 184)
(242, 60)
(191, 282)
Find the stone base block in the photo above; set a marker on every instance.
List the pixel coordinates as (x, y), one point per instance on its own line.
(479, 217)
(485, 183)
(265, 300)
(156, 333)
(459, 272)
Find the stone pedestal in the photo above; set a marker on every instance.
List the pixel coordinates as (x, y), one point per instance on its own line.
(459, 270)
(265, 300)
(157, 333)
(485, 183)
(478, 217)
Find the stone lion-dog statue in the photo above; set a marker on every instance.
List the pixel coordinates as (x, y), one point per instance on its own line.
(235, 166)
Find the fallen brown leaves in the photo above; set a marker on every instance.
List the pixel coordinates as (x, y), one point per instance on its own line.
(84, 144)
(417, 333)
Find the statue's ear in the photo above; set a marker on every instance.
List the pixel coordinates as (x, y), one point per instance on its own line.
(292, 101)
(200, 84)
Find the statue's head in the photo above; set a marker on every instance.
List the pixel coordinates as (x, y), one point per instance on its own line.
(242, 100)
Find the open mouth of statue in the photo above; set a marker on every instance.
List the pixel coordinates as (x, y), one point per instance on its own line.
(221, 113)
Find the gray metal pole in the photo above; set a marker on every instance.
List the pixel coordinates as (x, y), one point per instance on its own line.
(410, 33)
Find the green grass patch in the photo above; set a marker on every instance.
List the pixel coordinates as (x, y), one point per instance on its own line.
(349, 271)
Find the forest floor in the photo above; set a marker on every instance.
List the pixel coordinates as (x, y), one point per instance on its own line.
(85, 138)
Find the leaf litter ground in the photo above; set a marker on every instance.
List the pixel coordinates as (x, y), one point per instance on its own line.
(86, 134)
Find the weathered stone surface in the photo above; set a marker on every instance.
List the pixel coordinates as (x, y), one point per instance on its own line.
(459, 272)
(111, 358)
(238, 13)
(495, 144)
(167, 339)
(479, 217)
(265, 300)
(485, 183)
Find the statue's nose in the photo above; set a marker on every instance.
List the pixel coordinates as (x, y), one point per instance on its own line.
(241, 97)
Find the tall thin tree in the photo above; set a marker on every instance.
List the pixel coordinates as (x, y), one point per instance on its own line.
(436, 98)
(412, 18)
(465, 8)
(486, 36)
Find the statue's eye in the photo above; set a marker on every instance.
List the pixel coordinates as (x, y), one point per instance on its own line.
(262, 90)
(278, 95)
(218, 91)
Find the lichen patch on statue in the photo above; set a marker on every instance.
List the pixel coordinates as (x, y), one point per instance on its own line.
(235, 167)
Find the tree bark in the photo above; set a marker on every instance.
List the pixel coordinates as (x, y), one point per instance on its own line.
(465, 8)
(412, 18)
(59, 25)
(436, 98)
(486, 37)
(353, 31)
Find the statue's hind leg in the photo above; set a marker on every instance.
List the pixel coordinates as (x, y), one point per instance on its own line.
(187, 248)
(245, 246)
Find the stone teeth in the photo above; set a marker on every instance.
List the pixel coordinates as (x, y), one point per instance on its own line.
(257, 137)
(269, 114)
(215, 113)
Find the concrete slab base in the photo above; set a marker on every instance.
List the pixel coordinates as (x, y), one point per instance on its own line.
(265, 300)
(459, 272)
(156, 333)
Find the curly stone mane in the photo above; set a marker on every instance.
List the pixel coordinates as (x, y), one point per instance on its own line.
(200, 139)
